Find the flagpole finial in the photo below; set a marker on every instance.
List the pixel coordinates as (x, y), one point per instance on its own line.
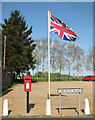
(48, 9)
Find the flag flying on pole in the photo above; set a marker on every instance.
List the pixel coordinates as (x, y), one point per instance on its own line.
(59, 27)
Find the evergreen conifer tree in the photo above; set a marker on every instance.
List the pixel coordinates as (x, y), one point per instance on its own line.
(19, 45)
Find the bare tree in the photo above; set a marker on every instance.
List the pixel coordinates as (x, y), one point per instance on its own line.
(94, 59)
(69, 58)
(73, 58)
(54, 56)
(60, 49)
(78, 54)
(43, 51)
(37, 55)
(79, 58)
(90, 59)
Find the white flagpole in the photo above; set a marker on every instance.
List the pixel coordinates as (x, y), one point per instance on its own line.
(48, 104)
(49, 51)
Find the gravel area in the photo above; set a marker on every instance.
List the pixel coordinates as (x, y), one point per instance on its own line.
(38, 95)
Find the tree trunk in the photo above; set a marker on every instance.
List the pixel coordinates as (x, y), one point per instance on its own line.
(74, 71)
(60, 71)
(33, 74)
(43, 69)
(60, 66)
(37, 71)
(69, 72)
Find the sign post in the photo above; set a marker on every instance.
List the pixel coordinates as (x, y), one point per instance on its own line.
(79, 103)
(27, 102)
(60, 104)
(27, 88)
(68, 90)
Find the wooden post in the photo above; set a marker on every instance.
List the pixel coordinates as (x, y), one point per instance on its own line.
(4, 51)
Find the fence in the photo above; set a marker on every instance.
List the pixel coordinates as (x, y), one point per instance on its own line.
(7, 79)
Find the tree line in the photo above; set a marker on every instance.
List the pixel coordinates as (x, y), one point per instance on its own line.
(64, 56)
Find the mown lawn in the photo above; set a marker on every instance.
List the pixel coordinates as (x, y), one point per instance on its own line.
(60, 79)
(40, 79)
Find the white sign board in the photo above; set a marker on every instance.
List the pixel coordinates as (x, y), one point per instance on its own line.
(69, 90)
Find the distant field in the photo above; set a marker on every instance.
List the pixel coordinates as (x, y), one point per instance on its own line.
(64, 79)
(40, 79)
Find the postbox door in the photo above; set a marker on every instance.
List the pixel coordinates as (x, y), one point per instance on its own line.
(27, 86)
(27, 83)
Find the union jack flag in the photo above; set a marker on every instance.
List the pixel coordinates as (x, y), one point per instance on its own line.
(59, 27)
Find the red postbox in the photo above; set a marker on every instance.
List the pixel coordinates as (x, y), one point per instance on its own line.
(27, 83)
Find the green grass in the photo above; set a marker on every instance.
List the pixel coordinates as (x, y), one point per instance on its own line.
(56, 79)
(60, 79)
